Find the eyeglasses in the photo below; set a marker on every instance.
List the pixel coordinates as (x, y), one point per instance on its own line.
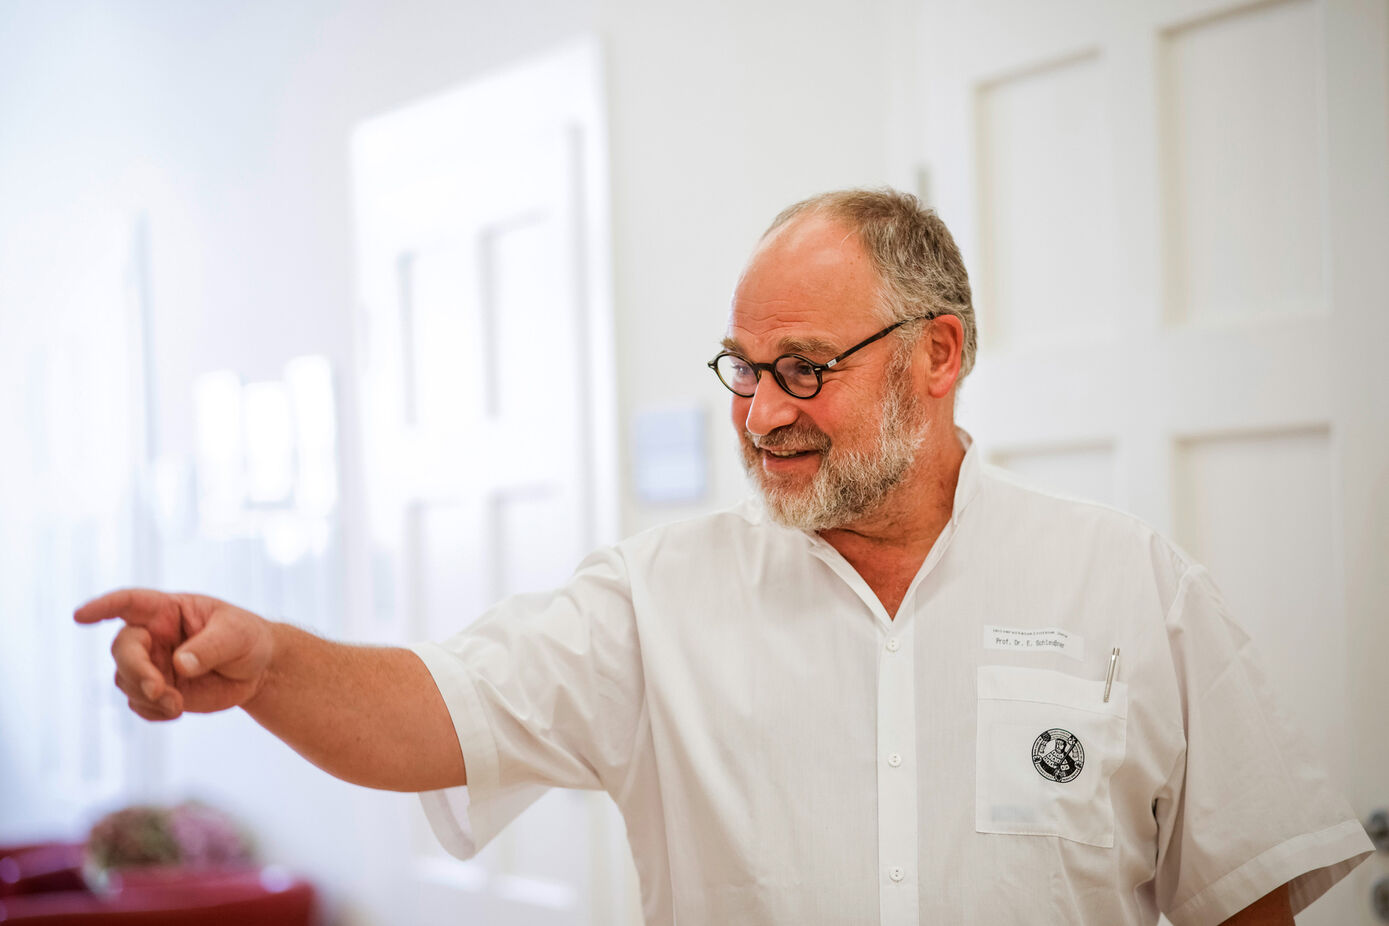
(798, 376)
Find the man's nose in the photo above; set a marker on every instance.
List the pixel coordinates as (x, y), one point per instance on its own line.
(770, 407)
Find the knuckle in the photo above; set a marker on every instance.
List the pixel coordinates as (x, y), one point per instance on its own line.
(122, 639)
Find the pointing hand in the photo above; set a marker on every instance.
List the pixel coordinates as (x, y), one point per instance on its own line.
(180, 652)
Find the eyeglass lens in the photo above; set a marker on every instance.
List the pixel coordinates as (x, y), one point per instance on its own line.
(795, 374)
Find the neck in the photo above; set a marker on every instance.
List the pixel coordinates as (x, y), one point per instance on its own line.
(888, 545)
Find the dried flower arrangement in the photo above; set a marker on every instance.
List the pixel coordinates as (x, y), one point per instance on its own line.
(189, 835)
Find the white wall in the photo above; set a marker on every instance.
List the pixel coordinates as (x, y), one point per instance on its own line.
(722, 113)
(226, 124)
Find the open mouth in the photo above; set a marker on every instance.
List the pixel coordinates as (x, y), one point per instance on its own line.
(788, 451)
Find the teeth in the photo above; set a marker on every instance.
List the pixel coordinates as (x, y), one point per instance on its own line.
(783, 453)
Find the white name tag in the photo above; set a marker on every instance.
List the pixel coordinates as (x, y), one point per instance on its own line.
(1035, 640)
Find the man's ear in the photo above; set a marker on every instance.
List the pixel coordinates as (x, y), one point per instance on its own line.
(940, 350)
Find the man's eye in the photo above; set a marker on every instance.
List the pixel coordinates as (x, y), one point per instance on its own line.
(739, 368)
(797, 369)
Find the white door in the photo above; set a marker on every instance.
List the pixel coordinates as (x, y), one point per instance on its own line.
(488, 384)
(1176, 214)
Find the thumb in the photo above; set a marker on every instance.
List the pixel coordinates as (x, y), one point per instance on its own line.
(223, 640)
(188, 663)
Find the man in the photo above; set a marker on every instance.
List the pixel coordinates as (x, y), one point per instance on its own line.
(899, 688)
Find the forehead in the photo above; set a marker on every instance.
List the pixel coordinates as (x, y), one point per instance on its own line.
(808, 287)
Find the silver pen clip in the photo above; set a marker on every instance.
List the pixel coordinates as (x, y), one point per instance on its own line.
(1109, 679)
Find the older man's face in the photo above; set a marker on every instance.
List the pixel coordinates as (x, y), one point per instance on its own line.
(825, 462)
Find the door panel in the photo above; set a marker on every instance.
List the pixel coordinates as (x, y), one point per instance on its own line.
(1242, 118)
(1281, 579)
(1043, 193)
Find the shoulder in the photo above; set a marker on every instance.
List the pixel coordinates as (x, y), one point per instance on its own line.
(1005, 491)
(714, 555)
(1060, 534)
(737, 527)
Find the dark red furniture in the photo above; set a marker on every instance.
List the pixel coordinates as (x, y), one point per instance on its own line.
(43, 884)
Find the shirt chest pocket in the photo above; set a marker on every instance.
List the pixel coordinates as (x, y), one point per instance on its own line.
(1048, 744)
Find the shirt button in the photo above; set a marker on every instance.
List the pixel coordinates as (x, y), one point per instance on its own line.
(893, 646)
(896, 874)
(894, 759)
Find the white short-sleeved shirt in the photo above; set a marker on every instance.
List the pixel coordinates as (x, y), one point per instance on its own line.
(783, 752)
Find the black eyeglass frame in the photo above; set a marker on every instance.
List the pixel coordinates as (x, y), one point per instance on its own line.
(818, 368)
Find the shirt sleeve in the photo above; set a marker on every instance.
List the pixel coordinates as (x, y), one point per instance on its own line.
(544, 691)
(1247, 808)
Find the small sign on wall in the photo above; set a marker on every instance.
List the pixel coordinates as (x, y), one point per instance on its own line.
(669, 458)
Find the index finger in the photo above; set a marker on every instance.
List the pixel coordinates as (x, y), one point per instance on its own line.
(138, 606)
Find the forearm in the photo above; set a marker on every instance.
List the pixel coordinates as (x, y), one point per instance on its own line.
(369, 715)
(1274, 909)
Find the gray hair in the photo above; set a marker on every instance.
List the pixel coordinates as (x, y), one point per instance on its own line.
(916, 258)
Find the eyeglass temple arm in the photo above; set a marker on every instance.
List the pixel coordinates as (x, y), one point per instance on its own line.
(829, 364)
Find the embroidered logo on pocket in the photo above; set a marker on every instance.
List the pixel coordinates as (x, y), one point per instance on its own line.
(1058, 756)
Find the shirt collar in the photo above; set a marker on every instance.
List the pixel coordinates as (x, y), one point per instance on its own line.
(967, 486)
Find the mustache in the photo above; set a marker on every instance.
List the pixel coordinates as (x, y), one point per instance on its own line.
(794, 436)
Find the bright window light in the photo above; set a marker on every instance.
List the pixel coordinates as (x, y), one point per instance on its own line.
(220, 451)
(269, 443)
(310, 383)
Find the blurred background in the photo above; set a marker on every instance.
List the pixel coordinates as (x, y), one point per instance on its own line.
(364, 315)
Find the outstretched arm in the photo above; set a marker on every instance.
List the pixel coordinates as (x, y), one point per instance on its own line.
(369, 715)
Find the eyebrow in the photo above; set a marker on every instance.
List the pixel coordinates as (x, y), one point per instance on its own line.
(790, 346)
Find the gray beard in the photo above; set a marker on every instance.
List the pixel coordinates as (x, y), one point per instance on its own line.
(849, 484)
